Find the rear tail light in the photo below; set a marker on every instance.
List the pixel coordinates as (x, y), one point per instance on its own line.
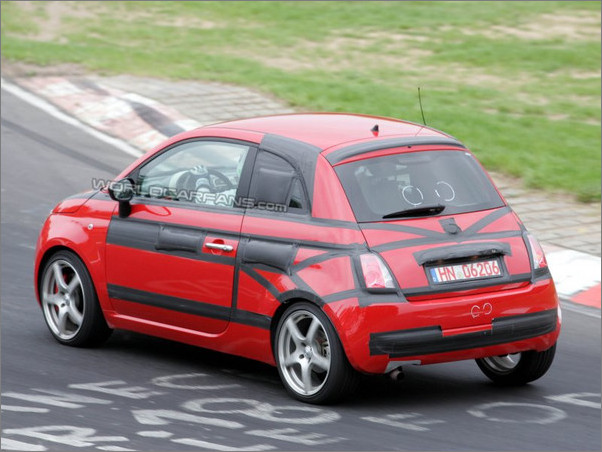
(376, 273)
(538, 257)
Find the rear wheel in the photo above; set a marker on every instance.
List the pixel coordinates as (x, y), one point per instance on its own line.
(518, 368)
(69, 303)
(309, 356)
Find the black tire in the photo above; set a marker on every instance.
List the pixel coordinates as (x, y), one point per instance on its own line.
(71, 309)
(312, 352)
(528, 367)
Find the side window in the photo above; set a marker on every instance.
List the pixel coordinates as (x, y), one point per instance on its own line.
(297, 198)
(276, 185)
(199, 172)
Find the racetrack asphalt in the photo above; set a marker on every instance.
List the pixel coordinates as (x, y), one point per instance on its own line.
(142, 393)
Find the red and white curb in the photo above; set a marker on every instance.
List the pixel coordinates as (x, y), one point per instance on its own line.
(576, 275)
(67, 118)
(135, 119)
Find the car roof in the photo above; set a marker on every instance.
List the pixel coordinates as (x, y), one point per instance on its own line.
(328, 130)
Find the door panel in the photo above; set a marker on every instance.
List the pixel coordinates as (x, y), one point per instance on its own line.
(172, 260)
(169, 259)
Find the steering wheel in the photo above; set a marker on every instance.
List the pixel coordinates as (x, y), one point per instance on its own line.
(221, 182)
(218, 182)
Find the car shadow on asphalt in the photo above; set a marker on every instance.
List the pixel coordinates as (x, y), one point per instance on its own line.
(420, 386)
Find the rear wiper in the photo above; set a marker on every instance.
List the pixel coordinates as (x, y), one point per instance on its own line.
(422, 211)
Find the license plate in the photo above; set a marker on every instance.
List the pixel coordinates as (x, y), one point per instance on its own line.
(465, 272)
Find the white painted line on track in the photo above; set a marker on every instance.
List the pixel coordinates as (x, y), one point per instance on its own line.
(24, 409)
(13, 444)
(219, 447)
(115, 448)
(154, 434)
(45, 106)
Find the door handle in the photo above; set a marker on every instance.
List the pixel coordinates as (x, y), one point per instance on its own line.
(219, 246)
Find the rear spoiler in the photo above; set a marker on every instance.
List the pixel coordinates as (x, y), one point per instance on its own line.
(374, 145)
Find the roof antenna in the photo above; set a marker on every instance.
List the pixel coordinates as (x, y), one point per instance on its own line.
(374, 130)
(421, 110)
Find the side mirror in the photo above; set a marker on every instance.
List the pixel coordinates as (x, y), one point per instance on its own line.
(122, 191)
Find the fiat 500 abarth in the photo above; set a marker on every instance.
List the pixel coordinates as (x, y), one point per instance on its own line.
(323, 244)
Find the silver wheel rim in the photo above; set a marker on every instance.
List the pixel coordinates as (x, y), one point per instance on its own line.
(503, 363)
(63, 299)
(304, 352)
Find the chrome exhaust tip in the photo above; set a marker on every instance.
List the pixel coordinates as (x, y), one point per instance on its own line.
(396, 374)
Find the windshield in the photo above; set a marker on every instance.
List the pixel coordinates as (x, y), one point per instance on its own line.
(413, 184)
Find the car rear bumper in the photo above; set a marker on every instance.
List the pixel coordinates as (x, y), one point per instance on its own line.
(390, 335)
(429, 340)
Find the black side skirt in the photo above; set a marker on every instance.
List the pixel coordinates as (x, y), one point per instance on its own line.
(191, 307)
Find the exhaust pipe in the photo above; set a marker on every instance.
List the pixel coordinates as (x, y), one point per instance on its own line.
(397, 374)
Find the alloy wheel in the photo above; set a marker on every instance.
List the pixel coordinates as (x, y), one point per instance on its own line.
(63, 299)
(304, 353)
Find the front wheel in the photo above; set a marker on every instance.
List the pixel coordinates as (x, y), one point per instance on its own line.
(310, 358)
(518, 368)
(70, 304)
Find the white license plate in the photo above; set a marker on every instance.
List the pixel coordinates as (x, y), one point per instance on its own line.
(464, 272)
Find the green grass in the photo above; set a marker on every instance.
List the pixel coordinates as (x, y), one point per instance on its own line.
(518, 82)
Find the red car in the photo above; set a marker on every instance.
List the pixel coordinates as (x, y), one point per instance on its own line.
(323, 244)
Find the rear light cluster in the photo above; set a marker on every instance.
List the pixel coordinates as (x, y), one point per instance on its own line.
(538, 257)
(376, 273)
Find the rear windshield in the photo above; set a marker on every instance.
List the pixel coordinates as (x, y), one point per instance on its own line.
(380, 187)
